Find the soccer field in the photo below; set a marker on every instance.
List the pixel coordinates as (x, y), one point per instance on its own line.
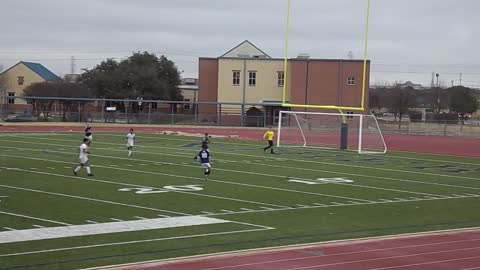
(157, 205)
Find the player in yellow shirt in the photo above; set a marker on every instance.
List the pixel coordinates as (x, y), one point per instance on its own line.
(269, 136)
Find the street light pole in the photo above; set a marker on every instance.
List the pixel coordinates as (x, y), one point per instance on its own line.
(437, 75)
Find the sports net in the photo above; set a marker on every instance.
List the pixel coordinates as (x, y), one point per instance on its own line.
(354, 132)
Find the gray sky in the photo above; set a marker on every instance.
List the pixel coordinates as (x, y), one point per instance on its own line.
(409, 39)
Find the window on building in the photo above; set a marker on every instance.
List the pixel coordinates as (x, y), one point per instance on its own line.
(236, 77)
(11, 100)
(154, 105)
(186, 106)
(20, 80)
(280, 78)
(351, 80)
(252, 78)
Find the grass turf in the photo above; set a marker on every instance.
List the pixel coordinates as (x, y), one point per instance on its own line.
(390, 194)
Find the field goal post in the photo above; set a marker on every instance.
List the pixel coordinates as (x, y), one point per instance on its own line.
(357, 132)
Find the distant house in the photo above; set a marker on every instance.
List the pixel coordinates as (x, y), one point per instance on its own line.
(21, 75)
(410, 84)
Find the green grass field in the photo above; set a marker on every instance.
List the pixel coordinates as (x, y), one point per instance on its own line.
(262, 200)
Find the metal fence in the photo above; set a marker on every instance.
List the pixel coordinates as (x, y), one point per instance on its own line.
(33, 109)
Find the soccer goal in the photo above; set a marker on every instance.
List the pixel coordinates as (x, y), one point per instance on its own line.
(356, 132)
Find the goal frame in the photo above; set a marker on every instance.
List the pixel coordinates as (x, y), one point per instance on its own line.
(343, 115)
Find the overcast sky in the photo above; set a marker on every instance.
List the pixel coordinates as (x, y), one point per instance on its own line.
(409, 39)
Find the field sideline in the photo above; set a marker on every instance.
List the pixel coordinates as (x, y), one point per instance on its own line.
(252, 200)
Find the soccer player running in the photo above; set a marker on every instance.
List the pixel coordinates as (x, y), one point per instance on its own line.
(205, 140)
(83, 157)
(130, 141)
(205, 159)
(269, 136)
(88, 133)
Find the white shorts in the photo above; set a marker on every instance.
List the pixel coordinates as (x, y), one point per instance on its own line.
(129, 145)
(206, 165)
(89, 137)
(83, 160)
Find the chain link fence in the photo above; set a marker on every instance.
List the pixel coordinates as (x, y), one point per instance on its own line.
(42, 109)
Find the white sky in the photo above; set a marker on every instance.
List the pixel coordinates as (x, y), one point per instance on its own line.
(409, 39)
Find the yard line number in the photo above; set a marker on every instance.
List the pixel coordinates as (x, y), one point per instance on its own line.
(165, 189)
(320, 181)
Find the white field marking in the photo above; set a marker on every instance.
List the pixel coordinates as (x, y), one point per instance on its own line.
(227, 211)
(10, 229)
(429, 262)
(94, 200)
(318, 205)
(50, 168)
(35, 218)
(379, 259)
(328, 255)
(105, 228)
(254, 156)
(132, 242)
(246, 209)
(320, 150)
(66, 167)
(91, 221)
(33, 168)
(191, 177)
(140, 217)
(296, 247)
(208, 213)
(296, 168)
(301, 205)
(267, 208)
(163, 216)
(37, 226)
(302, 160)
(113, 165)
(136, 206)
(135, 185)
(116, 219)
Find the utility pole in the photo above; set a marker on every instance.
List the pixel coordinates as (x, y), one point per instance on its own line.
(432, 84)
(437, 75)
(460, 79)
(72, 65)
(452, 83)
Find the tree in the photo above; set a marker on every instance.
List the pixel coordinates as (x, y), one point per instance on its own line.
(462, 101)
(55, 90)
(142, 75)
(399, 101)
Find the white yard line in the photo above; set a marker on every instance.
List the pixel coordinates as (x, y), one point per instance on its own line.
(35, 218)
(131, 242)
(287, 159)
(196, 178)
(278, 176)
(293, 168)
(42, 233)
(135, 185)
(94, 200)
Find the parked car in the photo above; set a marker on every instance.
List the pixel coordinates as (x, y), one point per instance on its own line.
(21, 118)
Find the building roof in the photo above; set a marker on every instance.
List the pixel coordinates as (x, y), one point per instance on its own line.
(39, 69)
(240, 50)
(42, 71)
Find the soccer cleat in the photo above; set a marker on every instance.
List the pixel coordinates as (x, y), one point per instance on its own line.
(75, 173)
(90, 174)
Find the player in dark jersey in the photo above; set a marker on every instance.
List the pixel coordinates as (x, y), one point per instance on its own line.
(205, 159)
(205, 140)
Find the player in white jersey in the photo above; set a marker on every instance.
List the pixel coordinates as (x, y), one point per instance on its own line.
(130, 141)
(83, 157)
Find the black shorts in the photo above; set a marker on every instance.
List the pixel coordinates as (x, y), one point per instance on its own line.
(270, 143)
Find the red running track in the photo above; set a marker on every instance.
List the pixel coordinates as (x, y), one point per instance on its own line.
(455, 146)
(458, 250)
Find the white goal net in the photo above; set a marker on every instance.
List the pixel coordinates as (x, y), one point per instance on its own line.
(355, 132)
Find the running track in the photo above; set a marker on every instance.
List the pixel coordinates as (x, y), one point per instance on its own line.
(457, 250)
